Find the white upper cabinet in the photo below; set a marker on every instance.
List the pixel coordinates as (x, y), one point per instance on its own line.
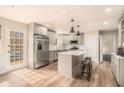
(44, 30)
(52, 37)
(81, 39)
(39, 29)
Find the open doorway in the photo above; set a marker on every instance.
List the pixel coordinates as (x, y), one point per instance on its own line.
(108, 43)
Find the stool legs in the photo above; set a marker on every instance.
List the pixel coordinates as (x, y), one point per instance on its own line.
(86, 67)
(88, 70)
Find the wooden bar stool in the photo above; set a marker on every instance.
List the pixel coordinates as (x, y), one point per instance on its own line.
(86, 70)
(86, 67)
(88, 59)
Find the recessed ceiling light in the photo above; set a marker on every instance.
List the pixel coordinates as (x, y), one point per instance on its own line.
(108, 9)
(47, 25)
(105, 22)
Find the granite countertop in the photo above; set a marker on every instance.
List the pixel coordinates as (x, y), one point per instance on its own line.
(73, 52)
(118, 56)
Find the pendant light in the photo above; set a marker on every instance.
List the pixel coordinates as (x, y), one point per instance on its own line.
(78, 32)
(72, 27)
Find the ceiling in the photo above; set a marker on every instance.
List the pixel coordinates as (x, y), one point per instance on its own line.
(89, 17)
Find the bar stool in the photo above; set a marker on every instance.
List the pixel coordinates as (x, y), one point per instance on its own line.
(88, 59)
(86, 70)
(86, 67)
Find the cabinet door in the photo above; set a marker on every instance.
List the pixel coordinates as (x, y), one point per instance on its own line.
(40, 30)
(122, 72)
(52, 37)
(51, 56)
(116, 68)
(81, 39)
(112, 63)
(44, 31)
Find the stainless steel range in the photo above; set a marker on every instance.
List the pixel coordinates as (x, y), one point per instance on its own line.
(41, 51)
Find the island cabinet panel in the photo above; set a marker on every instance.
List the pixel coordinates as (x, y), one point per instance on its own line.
(69, 63)
(64, 65)
(76, 64)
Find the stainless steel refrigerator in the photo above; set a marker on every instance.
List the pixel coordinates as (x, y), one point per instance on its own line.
(41, 50)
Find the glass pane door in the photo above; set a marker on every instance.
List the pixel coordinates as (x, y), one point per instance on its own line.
(16, 47)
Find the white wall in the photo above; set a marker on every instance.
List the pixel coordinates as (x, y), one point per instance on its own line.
(30, 44)
(15, 25)
(91, 43)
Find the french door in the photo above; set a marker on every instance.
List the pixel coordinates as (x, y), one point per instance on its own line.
(16, 48)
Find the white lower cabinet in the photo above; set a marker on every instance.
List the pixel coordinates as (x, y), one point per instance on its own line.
(122, 72)
(53, 55)
(117, 67)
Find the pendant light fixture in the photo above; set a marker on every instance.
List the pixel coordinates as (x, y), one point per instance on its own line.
(72, 27)
(78, 32)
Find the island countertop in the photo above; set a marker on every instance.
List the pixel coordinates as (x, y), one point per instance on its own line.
(73, 52)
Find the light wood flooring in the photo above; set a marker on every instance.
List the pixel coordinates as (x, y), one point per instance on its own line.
(49, 77)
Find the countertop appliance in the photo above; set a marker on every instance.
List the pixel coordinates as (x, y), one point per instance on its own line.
(74, 48)
(41, 50)
(121, 51)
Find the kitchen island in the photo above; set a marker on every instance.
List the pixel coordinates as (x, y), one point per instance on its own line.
(69, 62)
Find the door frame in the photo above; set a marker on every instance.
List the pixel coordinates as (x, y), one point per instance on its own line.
(99, 48)
(109, 32)
(25, 62)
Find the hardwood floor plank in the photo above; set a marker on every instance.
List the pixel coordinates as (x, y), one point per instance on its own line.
(49, 77)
